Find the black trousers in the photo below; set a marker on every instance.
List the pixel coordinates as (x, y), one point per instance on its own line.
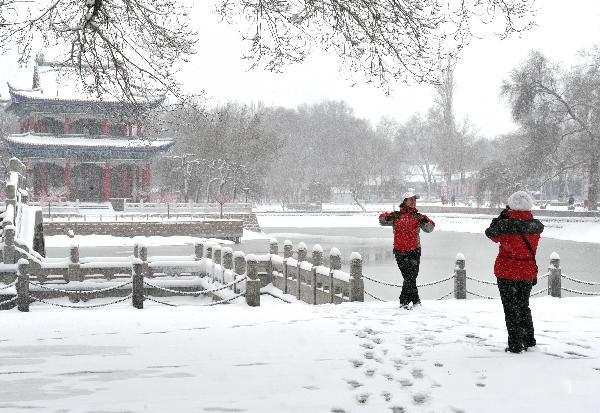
(408, 263)
(515, 300)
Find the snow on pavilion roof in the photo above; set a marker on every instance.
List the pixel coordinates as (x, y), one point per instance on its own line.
(57, 81)
(84, 141)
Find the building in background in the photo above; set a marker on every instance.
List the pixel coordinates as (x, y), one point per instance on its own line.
(78, 147)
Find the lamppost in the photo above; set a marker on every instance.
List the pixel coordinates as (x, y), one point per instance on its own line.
(246, 190)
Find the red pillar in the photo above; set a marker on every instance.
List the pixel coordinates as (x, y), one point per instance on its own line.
(126, 183)
(45, 126)
(138, 128)
(43, 180)
(147, 178)
(67, 126)
(105, 127)
(31, 124)
(106, 182)
(67, 178)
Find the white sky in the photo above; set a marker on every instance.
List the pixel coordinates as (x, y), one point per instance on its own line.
(563, 29)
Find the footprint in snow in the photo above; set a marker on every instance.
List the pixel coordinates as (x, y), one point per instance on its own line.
(405, 382)
(354, 384)
(387, 396)
(362, 398)
(420, 398)
(417, 373)
(370, 372)
(438, 364)
(357, 363)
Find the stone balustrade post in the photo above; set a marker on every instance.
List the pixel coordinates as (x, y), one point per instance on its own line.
(554, 279)
(210, 269)
(227, 261)
(302, 253)
(317, 261)
(460, 278)
(239, 266)
(198, 255)
(335, 264)
(288, 251)
(10, 256)
(136, 249)
(273, 247)
(217, 259)
(23, 286)
(252, 281)
(357, 285)
(137, 285)
(74, 269)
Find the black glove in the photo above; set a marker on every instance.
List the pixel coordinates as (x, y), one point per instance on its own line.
(534, 281)
(504, 212)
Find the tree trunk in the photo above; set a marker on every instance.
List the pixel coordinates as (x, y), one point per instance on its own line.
(593, 184)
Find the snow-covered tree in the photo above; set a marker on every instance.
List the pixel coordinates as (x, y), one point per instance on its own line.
(138, 44)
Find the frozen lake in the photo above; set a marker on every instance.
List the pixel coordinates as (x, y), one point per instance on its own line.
(578, 259)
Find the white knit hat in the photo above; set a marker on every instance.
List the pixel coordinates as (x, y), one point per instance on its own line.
(409, 194)
(520, 201)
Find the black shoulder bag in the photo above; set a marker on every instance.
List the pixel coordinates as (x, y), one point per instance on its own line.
(526, 241)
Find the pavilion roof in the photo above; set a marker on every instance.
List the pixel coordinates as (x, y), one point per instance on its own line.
(55, 81)
(85, 141)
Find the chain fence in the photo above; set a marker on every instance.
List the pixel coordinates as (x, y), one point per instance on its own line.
(128, 297)
(226, 300)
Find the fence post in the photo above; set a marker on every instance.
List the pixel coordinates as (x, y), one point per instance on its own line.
(217, 254)
(335, 264)
(357, 285)
(460, 278)
(74, 270)
(136, 249)
(209, 254)
(227, 261)
(9, 244)
(137, 285)
(239, 266)
(23, 286)
(273, 250)
(252, 281)
(288, 251)
(554, 279)
(302, 252)
(198, 255)
(317, 261)
(144, 258)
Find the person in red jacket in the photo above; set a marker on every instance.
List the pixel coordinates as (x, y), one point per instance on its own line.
(518, 234)
(407, 224)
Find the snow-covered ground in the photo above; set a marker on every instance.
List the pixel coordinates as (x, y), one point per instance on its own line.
(444, 357)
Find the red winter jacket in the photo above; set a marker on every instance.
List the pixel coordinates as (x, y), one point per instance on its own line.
(514, 260)
(407, 223)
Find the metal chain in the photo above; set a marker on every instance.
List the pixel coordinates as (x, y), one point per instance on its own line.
(436, 282)
(82, 306)
(444, 296)
(194, 293)
(578, 292)
(381, 282)
(9, 301)
(544, 290)
(579, 281)
(147, 297)
(400, 285)
(374, 296)
(79, 291)
(12, 284)
(544, 276)
(481, 281)
(483, 296)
